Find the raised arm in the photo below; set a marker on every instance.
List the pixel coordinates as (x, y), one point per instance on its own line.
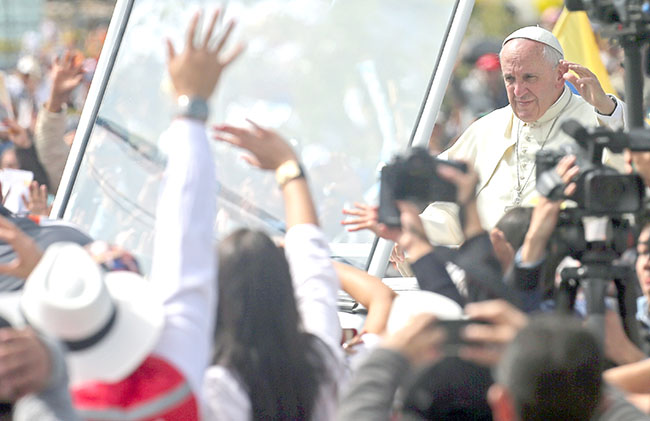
(270, 151)
(184, 258)
(66, 74)
(611, 111)
(314, 279)
(371, 292)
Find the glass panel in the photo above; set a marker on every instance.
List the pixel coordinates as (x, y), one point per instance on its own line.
(343, 79)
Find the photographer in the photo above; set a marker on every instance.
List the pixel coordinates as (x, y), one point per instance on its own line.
(483, 271)
(531, 264)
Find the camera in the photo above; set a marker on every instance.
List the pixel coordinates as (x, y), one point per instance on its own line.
(413, 177)
(601, 190)
(614, 12)
(569, 239)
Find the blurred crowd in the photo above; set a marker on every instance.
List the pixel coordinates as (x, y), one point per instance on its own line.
(41, 99)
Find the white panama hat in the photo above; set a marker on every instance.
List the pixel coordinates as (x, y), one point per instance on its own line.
(109, 322)
(411, 303)
(536, 33)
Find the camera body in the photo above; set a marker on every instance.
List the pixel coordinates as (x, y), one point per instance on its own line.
(568, 238)
(601, 190)
(413, 177)
(614, 12)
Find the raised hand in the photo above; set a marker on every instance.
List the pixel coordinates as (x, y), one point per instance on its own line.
(28, 254)
(546, 214)
(588, 86)
(568, 171)
(36, 203)
(465, 182)
(195, 72)
(413, 238)
(66, 75)
(18, 135)
(25, 363)
(366, 218)
(269, 150)
(504, 322)
(502, 248)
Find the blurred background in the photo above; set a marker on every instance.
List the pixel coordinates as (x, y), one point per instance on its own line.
(346, 117)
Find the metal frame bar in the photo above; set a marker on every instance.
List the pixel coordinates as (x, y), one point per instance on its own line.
(378, 259)
(96, 92)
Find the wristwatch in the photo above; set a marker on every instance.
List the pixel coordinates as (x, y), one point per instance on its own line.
(192, 107)
(287, 171)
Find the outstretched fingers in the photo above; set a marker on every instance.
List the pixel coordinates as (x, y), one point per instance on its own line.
(191, 31)
(232, 55)
(171, 53)
(224, 37)
(237, 136)
(211, 26)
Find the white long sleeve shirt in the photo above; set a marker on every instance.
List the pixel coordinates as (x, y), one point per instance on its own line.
(184, 257)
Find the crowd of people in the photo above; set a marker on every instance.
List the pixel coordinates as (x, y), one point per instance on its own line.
(249, 329)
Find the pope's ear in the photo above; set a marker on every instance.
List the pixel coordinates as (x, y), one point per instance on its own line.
(561, 69)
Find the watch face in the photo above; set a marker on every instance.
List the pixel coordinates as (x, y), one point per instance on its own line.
(196, 108)
(287, 172)
(291, 169)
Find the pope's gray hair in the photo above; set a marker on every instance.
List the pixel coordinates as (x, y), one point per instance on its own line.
(552, 55)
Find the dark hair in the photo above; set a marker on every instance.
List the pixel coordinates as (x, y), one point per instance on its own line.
(6, 411)
(452, 389)
(514, 225)
(553, 370)
(259, 332)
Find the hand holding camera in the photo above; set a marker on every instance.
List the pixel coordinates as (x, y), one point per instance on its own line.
(501, 323)
(420, 178)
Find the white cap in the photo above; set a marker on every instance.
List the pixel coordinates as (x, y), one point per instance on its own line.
(535, 33)
(409, 303)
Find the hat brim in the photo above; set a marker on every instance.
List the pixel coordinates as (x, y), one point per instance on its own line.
(137, 327)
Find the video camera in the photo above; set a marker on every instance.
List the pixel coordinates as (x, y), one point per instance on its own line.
(413, 177)
(628, 22)
(601, 190)
(613, 11)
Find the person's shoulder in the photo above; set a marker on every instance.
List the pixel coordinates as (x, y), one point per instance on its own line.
(225, 395)
(499, 116)
(219, 379)
(466, 146)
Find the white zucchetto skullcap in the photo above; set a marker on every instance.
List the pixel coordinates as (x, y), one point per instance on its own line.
(535, 33)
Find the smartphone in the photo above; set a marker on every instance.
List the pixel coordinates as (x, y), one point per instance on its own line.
(453, 328)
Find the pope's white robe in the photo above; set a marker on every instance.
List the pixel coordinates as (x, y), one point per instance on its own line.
(489, 145)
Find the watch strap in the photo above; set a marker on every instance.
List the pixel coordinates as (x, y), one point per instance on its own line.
(192, 107)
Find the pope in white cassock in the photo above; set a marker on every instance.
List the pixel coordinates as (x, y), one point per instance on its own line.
(501, 146)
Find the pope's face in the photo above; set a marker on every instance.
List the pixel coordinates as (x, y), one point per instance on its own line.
(532, 82)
